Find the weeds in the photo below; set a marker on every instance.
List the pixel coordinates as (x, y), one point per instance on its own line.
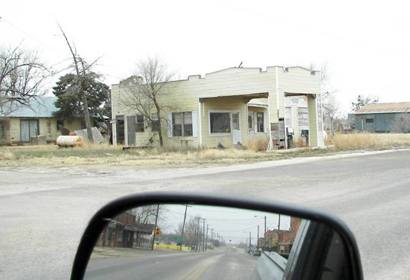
(358, 141)
(51, 155)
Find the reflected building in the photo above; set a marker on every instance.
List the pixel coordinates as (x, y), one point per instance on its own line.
(125, 231)
(280, 240)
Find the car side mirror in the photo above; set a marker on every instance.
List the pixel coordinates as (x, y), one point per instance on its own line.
(192, 236)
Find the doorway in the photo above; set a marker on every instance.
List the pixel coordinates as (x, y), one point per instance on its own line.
(236, 129)
(120, 129)
(28, 129)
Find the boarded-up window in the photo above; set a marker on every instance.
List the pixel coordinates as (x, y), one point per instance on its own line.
(220, 122)
(260, 122)
(49, 126)
(303, 117)
(60, 124)
(139, 123)
(288, 116)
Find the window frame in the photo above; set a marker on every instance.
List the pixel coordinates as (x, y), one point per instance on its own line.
(230, 122)
(138, 124)
(303, 111)
(182, 124)
(263, 122)
(155, 123)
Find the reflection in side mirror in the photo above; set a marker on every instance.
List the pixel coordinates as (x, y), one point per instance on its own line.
(191, 241)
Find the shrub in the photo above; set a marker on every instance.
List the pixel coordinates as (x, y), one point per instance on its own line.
(258, 143)
(7, 155)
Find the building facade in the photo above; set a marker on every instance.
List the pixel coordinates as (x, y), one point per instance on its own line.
(24, 124)
(124, 231)
(382, 118)
(224, 108)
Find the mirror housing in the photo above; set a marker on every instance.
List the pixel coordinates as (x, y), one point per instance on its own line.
(318, 230)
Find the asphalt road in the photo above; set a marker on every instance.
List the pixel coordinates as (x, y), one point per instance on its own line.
(226, 264)
(43, 212)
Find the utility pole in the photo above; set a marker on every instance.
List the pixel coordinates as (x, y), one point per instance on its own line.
(183, 227)
(212, 237)
(250, 239)
(279, 223)
(264, 235)
(155, 228)
(203, 236)
(198, 234)
(257, 239)
(206, 242)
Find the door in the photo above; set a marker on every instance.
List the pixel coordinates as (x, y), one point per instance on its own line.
(28, 129)
(24, 130)
(120, 129)
(131, 121)
(236, 129)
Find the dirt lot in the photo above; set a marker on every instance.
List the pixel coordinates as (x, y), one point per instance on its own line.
(106, 155)
(51, 155)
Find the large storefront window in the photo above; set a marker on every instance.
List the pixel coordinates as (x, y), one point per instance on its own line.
(220, 122)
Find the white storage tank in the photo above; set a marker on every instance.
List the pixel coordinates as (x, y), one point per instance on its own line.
(69, 141)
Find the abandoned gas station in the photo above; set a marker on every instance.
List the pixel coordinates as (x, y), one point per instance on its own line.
(229, 107)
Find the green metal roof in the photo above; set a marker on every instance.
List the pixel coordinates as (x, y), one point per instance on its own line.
(39, 107)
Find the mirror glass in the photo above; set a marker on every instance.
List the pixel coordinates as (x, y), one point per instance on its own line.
(171, 241)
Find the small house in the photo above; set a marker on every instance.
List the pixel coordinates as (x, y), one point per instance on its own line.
(33, 123)
(382, 118)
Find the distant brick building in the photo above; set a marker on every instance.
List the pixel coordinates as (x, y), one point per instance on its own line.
(124, 231)
(282, 240)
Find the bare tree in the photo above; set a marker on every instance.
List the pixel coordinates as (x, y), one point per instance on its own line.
(362, 100)
(330, 110)
(22, 76)
(192, 232)
(82, 70)
(144, 92)
(328, 98)
(147, 214)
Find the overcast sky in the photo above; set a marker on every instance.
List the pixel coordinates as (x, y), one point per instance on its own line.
(365, 44)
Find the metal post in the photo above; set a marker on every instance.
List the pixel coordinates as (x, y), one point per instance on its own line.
(155, 228)
(183, 227)
(250, 239)
(198, 234)
(206, 242)
(264, 235)
(257, 238)
(203, 235)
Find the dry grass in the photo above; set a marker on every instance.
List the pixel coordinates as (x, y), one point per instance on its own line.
(104, 155)
(369, 141)
(7, 155)
(300, 143)
(258, 143)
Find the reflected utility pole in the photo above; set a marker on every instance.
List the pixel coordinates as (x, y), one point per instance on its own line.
(203, 235)
(155, 228)
(198, 234)
(206, 239)
(257, 238)
(264, 235)
(183, 228)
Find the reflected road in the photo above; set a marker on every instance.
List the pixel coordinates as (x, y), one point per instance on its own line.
(227, 263)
